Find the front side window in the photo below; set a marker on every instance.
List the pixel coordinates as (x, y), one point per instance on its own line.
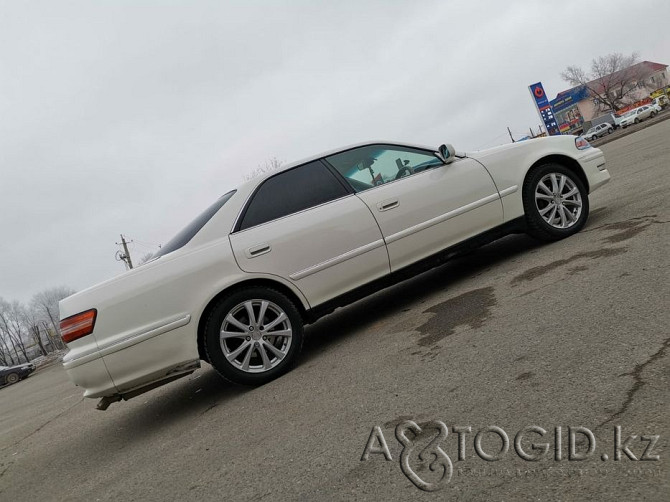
(292, 191)
(369, 166)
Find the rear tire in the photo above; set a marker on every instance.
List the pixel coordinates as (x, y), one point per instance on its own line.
(253, 335)
(555, 201)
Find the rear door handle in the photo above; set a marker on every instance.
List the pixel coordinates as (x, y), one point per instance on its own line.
(387, 204)
(255, 251)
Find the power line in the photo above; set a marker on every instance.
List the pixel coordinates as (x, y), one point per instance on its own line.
(153, 244)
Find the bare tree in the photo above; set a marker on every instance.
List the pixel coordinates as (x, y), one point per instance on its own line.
(54, 338)
(32, 323)
(5, 350)
(614, 79)
(12, 328)
(145, 259)
(268, 166)
(45, 304)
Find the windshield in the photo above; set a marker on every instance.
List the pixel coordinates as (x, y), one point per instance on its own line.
(630, 113)
(189, 231)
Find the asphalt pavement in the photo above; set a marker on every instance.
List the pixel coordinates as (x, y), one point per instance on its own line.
(513, 340)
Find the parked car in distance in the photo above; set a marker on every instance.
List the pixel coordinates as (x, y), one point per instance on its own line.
(12, 374)
(660, 102)
(236, 286)
(637, 115)
(599, 131)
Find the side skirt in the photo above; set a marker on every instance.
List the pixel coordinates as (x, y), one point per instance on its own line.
(517, 225)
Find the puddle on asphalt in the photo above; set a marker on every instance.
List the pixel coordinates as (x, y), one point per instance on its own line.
(469, 309)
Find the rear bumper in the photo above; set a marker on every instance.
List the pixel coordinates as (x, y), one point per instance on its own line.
(135, 362)
(91, 374)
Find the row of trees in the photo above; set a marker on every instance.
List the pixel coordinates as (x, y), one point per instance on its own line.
(32, 330)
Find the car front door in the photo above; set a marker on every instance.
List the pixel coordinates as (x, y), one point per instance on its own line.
(306, 226)
(422, 206)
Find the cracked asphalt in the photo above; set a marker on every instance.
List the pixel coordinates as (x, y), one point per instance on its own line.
(571, 334)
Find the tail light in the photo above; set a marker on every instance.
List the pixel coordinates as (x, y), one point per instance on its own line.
(78, 325)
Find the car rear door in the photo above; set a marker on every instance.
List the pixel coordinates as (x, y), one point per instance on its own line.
(422, 206)
(306, 226)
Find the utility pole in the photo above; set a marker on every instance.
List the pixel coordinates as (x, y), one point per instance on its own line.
(125, 256)
(510, 134)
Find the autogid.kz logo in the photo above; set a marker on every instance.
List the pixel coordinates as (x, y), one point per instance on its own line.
(425, 460)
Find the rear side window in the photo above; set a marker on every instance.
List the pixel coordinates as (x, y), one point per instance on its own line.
(292, 191)
(189, 231)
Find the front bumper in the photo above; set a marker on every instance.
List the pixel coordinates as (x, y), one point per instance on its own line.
(593, 163)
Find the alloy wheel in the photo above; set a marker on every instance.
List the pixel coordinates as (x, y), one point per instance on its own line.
(558, 200)
(255, 335)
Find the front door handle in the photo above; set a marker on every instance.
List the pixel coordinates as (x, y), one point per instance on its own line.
(255, 251)
(387, 204)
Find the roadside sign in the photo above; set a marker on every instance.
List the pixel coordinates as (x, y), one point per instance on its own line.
(544, 108)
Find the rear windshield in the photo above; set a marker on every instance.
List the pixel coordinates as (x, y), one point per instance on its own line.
(189, 231)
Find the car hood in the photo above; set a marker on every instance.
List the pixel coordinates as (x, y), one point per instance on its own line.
(22, 366)
(480, 154)
(562, 142)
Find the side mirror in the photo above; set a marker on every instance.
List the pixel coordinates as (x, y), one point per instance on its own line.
(446, 154)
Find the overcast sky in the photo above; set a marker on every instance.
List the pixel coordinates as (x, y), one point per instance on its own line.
(131, 117)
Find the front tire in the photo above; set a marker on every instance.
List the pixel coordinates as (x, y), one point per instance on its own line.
(12, 378)
(253, 335)
(555, 201)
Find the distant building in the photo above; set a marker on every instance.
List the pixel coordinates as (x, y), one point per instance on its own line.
(579, 104)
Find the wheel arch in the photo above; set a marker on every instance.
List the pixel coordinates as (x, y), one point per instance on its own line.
(256, 282)
(564, 160)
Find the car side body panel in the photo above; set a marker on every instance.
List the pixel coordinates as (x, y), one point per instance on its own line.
(421, 214)
(509, 164)
(324, 251)
(147, 321)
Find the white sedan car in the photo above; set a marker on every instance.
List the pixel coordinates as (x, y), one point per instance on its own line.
(637, 115)
(237, 285)
(599, 131)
